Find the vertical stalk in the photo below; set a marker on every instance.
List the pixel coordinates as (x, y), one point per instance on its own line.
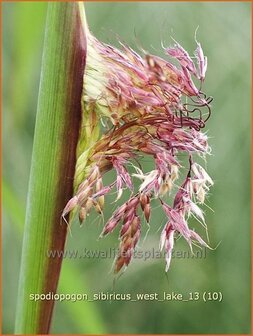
(53, 162)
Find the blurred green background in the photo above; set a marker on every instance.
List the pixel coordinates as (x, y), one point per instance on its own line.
(224, 31)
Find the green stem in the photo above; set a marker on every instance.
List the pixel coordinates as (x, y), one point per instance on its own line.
(53, 162)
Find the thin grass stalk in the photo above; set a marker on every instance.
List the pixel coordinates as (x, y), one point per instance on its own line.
(58, 122)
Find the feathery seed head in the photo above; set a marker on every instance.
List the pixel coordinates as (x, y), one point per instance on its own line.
(147, 106)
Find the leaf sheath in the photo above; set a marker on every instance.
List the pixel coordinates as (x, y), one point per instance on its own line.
(57, 128)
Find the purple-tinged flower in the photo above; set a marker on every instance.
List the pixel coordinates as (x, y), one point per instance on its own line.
(148, 107)
(123, 177)
(167, 242)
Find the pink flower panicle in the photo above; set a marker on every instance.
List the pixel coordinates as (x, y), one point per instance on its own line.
(155, 109)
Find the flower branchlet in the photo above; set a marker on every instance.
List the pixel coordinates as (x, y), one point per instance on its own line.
(148, 106)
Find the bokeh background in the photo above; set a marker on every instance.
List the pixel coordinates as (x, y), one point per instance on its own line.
(224, 31)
